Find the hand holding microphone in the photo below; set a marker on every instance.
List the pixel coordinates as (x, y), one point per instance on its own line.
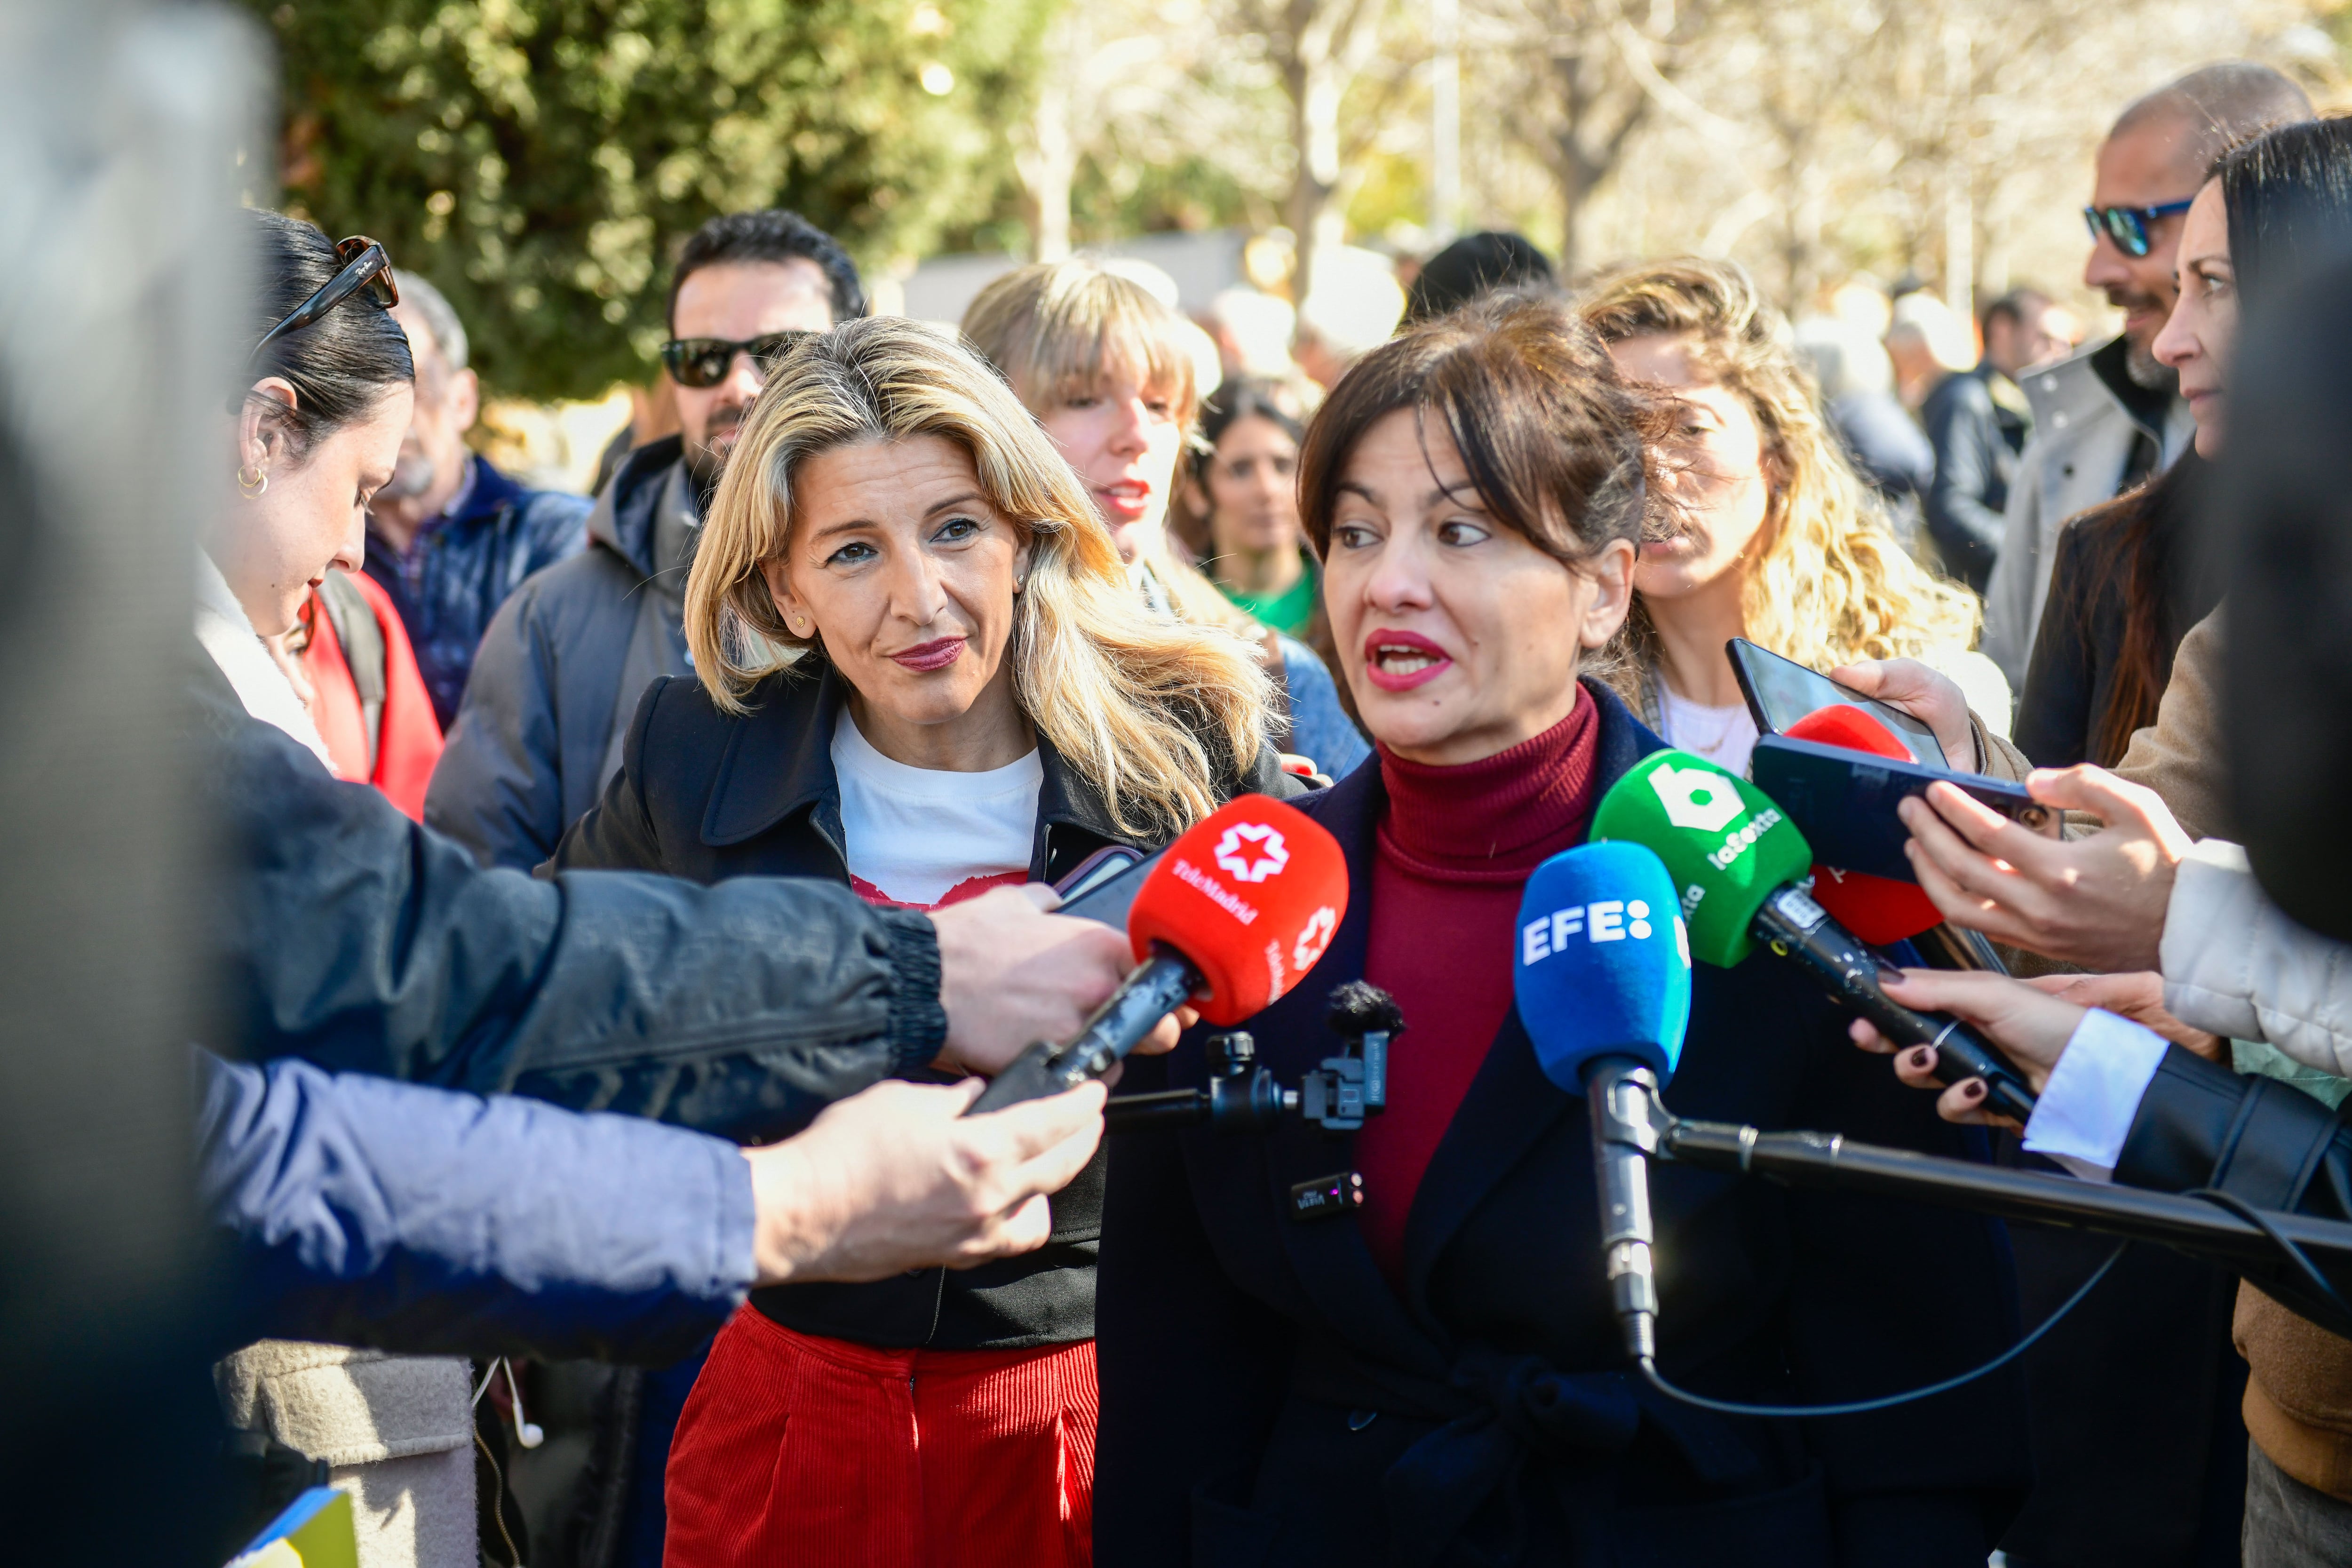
(1234, 913)
(1738, 861)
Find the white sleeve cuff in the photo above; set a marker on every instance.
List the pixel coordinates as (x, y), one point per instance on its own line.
(2085, 1110)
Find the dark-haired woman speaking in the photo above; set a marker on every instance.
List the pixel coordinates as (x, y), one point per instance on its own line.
(1437, 1379)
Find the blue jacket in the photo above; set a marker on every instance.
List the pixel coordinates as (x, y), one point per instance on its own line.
(460, 569)
(374, 1212)
(342, 932)
(563, 665)
(1268, 1397)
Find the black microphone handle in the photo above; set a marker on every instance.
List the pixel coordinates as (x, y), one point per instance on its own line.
(1792, 924)
(1620, 1092)
(1160, 985)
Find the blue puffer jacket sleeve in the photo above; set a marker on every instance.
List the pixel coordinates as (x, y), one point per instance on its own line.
(381, 1213)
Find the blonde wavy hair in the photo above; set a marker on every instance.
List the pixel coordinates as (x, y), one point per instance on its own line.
(1832, 584)
(1053, 329)
(1153, 714)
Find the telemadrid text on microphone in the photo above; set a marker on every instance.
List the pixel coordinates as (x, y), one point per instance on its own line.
(1235, 912)
(1739, 862)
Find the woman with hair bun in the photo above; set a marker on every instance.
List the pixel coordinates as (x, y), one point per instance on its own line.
(1776, 539)
(920, 671)
(1437, 1377)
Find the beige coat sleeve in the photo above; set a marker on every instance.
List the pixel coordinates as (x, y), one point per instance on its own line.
(2179, 755)
(2235, 965)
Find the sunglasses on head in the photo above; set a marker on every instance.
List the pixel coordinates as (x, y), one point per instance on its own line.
(365, 266)
(701, 362)
(2127, 226)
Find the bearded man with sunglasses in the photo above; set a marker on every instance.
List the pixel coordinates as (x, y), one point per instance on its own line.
(560, 670)
(2111, 416)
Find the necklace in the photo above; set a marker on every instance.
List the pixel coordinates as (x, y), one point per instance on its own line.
(1693, 740)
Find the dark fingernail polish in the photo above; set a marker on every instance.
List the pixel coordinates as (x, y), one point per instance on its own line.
(1975, 1089)
(1922, 1060)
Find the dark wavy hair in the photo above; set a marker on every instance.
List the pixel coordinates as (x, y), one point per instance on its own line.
(1559, 445)
(341, 365)
(2287, 193)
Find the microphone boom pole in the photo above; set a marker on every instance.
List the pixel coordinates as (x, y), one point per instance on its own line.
(1826, 1160)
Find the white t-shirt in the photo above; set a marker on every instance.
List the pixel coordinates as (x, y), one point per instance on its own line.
(925, 837)
(1723, 736)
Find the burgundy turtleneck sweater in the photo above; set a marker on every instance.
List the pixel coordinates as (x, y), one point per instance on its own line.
(1455, 847)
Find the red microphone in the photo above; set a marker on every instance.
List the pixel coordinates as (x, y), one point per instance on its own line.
(1236, 911)
(1878, 910)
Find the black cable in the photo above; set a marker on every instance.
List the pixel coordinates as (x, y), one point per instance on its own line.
(2295, 1255)
(1863, 1406)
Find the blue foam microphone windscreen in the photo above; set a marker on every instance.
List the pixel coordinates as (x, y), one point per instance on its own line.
(1602, 964)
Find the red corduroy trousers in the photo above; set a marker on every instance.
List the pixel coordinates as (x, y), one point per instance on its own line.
(796, 1449)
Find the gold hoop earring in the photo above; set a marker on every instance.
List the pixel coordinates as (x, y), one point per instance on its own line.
(254, 488)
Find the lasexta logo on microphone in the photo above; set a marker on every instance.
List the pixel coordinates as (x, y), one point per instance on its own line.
(1695, 799)
(1252, 851)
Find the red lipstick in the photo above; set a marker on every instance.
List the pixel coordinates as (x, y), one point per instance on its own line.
(1399, 661)
(924, 657)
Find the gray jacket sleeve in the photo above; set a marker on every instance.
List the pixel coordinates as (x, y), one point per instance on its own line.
(401, 1217)
(350, 936)
(499, 787)
(2236, 966)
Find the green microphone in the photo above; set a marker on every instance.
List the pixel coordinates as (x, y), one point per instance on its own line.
(1740, 868)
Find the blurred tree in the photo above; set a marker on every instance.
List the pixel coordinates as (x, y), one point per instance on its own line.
(1591, 73)
(540, 160)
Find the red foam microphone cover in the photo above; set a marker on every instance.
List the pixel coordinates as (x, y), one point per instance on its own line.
(1878, 910)
(1854, 729)
(1251, 895)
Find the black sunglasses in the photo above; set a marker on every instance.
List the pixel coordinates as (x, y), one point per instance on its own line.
(2127, 226)
(701, 362)
(365, 266)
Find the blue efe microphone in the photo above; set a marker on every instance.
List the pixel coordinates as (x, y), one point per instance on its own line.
(1601, 972)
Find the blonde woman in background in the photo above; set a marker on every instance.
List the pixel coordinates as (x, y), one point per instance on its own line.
(1779, 541)
(1105, 369)
(921, 670)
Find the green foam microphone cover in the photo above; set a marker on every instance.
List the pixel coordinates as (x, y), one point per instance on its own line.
(1725, 845)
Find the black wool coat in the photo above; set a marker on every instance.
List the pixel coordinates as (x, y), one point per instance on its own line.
(1268, 1398)
(709, 796)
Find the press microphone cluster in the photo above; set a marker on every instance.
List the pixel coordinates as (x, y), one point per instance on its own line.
(1741, 866)
(1234, 914)
(1602, 976)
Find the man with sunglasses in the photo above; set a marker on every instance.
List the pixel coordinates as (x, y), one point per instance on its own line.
(560, 670)
(2111, 417)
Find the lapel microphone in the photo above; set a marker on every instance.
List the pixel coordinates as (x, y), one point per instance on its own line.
(1602, 973)
(1234, 914)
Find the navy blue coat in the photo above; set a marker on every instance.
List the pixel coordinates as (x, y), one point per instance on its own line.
(1268, 1398)
(391, 1214)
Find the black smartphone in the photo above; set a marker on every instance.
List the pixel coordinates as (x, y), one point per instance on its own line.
(1102, 886)
(1780, 691)
(1843, 801)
